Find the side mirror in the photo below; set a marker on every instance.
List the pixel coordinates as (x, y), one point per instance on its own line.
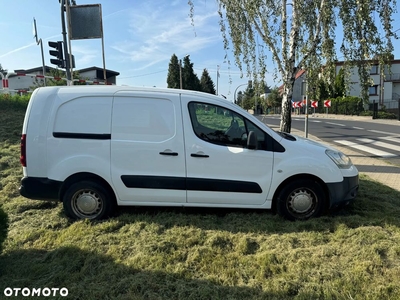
(252, 140)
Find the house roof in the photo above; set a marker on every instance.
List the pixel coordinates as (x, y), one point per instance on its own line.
(393, 62)
(298, 74)
(99, 71)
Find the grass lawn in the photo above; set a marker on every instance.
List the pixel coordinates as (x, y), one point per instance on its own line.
(165, 253)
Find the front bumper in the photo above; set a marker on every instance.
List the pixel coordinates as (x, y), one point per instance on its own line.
(39, 188)
(342, 193)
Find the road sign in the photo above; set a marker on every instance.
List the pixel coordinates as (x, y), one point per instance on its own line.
(297, 104)
(327, 103)
(314, 104)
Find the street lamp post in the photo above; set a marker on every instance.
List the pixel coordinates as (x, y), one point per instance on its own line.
(234, 94)
(304, 89)
(180, 73)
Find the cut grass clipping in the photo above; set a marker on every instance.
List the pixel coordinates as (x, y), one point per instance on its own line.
(160, 253)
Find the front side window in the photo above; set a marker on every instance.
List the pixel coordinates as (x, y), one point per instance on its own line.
(221, 126)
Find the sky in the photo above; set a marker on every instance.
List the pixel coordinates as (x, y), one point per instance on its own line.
(139, 39)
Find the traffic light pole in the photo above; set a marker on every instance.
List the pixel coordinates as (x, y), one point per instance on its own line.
(66, 55)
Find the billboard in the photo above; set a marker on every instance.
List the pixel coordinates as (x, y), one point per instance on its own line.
(85, 22)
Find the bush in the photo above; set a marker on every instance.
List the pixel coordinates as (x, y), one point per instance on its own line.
(15, 101)
(386, 115)
(366, 113)
(349, 105)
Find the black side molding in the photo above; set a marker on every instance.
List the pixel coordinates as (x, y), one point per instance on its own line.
(85, 136)
(190, 184)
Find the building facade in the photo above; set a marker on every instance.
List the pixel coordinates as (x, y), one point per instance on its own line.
(385, 89)
(24, 80)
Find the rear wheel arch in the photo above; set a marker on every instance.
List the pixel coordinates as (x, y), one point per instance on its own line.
(87, 177)
(87, 196)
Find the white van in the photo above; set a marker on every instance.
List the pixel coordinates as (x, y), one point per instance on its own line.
(98, 147)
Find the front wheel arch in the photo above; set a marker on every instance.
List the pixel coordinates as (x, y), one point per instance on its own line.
(321, 183)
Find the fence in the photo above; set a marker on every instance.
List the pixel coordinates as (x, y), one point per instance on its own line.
(348, 108)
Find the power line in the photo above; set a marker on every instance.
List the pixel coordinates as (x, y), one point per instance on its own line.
(142, 75)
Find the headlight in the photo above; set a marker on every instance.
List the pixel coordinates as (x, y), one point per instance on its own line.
(340, 159)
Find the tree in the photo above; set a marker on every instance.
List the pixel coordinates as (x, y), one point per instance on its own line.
(173, 77)
(3, 71)
(274, 99)
(248, 99)
(325, 90)
(56, 73)
(206, 83)
(300, 34)
(189, 78)
(239, 99)
(339, 87)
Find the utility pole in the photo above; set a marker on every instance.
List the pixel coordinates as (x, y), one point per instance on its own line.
(64, 33)
(39, 41)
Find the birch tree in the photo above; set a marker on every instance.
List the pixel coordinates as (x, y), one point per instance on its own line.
(305, 34)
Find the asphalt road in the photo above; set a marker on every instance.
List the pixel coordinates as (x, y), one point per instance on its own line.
(369, 138)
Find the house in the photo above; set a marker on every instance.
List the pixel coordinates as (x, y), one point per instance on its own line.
(385, 90)
(298, 86)
(25, 79)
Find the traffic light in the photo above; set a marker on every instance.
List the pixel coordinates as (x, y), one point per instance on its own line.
(57, 53)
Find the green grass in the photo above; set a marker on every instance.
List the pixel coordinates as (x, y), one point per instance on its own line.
(165, 253)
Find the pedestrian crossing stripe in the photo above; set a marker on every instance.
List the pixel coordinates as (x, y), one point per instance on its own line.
(367, 149)
(395, 139)
(380, 144)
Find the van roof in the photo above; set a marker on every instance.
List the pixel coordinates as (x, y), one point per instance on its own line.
(112, 89)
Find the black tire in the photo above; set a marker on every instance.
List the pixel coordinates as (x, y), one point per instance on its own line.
(301, 199)
(88, 200)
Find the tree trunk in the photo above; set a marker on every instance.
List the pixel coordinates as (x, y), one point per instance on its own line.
(286, 115)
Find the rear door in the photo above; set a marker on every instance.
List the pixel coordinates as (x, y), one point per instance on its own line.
(147, 151)
(220, 169)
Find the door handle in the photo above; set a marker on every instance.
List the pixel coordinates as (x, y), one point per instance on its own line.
(199, 155)
(169, 153)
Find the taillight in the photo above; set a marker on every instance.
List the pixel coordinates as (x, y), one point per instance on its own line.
(22, 159)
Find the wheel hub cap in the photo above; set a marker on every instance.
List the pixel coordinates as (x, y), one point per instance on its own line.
(301, 202)
(87, 203)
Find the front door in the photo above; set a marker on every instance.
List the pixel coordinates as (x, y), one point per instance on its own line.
(220, 168)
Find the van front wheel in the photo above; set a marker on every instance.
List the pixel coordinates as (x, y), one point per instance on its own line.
(88, 200)
(301, 199)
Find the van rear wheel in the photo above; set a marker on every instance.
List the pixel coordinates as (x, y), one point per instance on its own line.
(301, 199)
(88, 200)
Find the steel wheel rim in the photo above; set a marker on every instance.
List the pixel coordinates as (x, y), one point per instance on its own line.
(302, 203)
(87, 203)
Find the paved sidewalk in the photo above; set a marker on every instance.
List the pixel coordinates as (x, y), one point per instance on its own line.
(376, 168)
(353, 118)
